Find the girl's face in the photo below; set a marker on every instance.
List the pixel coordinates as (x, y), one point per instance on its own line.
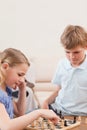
(76, 56)
(14, 76)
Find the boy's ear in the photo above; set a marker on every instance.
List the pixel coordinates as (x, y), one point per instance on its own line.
(86, 47)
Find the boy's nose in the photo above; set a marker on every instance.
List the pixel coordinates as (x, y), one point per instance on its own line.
(72, 55)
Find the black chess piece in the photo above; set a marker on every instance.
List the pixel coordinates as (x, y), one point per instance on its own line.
(74, 121)
(61, 115)
(65, 122)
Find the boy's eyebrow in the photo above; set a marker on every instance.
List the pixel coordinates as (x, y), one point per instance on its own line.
(73, 51)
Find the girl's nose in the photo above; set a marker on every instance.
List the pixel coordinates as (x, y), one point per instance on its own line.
(22, 79)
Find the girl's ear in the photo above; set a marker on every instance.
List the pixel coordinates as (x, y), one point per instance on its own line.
(5, 65)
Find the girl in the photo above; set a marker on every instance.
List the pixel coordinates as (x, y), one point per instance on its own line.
(13, 67)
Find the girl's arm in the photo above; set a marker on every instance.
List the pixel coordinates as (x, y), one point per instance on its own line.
(23, 121)
(20, 105)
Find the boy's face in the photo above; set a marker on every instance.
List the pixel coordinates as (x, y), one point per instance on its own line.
(76, 55)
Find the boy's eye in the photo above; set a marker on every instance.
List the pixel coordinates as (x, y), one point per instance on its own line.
(76, 52)
(67, 52)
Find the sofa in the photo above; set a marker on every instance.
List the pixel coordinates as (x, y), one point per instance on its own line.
(41, 71)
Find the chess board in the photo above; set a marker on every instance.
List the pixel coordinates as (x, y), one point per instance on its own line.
(44, 124)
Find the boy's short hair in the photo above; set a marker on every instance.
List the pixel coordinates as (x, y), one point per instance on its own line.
(74, 36)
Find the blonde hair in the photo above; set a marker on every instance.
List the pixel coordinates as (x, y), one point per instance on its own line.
(13, 57)
(74, 36)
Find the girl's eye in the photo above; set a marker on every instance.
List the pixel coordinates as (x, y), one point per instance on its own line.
(20, 75)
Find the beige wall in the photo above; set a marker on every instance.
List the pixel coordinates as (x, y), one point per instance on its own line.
(35, 26)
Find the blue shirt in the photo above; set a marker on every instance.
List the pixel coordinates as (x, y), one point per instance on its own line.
(72, 98)
(6, 99)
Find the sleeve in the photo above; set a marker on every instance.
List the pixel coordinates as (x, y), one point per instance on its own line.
(57, 75)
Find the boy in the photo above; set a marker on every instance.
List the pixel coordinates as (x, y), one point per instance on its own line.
(70, 77)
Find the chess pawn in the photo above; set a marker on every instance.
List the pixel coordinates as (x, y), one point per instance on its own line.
(86, 120)
(65, 122)
(42, 124)
(32, 124)
(51, 125)
(79, 118)
(62, 122)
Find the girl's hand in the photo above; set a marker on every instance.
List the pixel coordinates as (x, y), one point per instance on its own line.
(22, 84)
(49, 114)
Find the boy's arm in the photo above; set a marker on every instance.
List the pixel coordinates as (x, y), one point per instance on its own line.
(51, 99)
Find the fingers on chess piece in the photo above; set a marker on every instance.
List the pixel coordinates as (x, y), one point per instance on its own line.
(45, 124)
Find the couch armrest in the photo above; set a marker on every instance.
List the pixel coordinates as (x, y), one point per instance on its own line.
(44, 86)
(43, 90)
